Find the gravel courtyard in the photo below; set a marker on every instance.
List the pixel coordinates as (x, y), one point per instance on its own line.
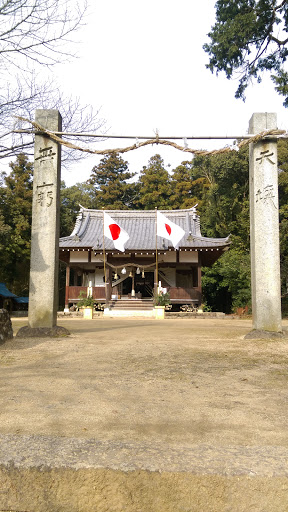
(166, 389)
(175, 381)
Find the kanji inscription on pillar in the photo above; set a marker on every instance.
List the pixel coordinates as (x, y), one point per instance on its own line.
(45, 194)
(267, 195)
(43, 291)
(264, 227)
(266, 154)
(45, 154)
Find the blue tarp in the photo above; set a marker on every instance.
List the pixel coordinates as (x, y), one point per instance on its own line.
(5, 292)
(21, 300)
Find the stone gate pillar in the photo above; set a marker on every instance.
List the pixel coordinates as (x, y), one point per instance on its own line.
(43, 290)
(264, 227)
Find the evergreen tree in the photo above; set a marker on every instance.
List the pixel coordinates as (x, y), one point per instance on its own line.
(154, 186)
(225, 210)
(226, 201)
(283, 216)
(110, 179)
(188, 189)
(70, 200)
(15, 224)
(248, 38)
(227, 284)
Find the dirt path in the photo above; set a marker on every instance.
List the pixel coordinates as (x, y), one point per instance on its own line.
(177, 381)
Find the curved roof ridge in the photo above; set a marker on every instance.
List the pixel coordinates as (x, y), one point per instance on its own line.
(78, 221)
(130, 210)
(210, 239)
(83, 226)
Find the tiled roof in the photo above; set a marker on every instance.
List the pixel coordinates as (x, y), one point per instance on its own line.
(140, 225)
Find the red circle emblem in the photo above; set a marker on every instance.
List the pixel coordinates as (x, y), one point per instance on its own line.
(168, 229)
(115, 231)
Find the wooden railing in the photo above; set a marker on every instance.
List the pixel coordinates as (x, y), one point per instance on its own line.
(178, 295)
(184, 294)
(73, 293)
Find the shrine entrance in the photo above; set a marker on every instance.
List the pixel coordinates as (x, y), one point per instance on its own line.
(264, 215)
(141, 284)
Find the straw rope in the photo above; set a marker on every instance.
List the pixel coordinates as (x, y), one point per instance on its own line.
(256, 138)
(130, 265)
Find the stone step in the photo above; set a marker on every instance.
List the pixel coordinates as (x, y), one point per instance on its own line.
(132, 304)
(129, 308)
(46, 473)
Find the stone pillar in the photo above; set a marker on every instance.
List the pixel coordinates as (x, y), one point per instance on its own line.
(43, 291)
(264, 227)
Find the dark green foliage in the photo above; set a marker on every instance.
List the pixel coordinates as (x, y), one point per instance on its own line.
(15, 225)
(188, 188)
(248, 38)
(161, 299)
(225, 210)
(154, 186)
(85, 302)
(226, 200)
(71, 198)
(283, 212)
(226, 285)
(110, 179)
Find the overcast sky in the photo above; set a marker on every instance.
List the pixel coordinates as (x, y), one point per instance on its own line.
(142, 62)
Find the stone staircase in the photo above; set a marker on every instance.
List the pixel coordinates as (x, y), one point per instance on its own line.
(131, 304)
(130, 307)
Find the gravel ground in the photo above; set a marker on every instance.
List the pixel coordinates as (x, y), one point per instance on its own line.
(175, 381)
(193, 414)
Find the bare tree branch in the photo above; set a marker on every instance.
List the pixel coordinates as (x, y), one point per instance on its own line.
(35, 34)
(37, 30)
(280, 43)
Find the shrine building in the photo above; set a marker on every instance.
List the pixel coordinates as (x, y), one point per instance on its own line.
(131, 275)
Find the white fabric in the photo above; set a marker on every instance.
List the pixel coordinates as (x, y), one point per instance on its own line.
(168, 229)
(114, 232)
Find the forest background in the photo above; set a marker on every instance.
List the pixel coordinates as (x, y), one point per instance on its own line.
(219, 184)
